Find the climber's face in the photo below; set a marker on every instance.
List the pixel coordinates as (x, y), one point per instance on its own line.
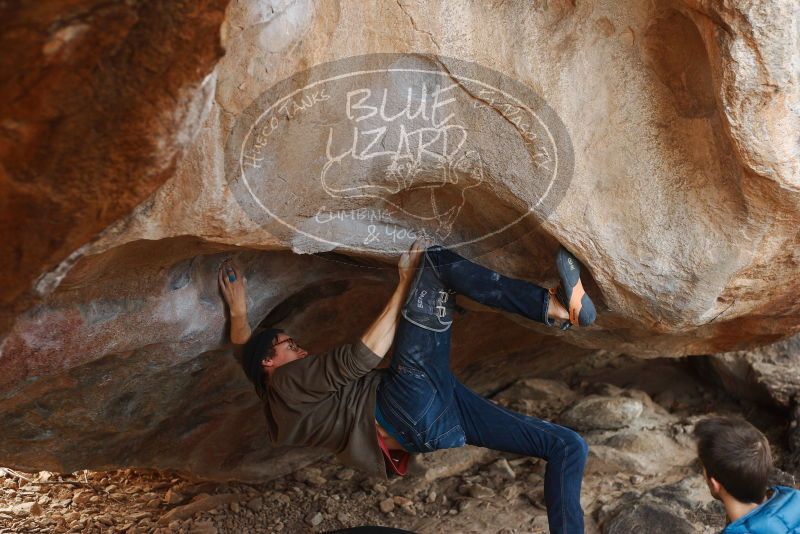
(285, 351)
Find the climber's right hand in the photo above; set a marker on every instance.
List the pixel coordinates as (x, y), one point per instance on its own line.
(410, 259)
(231, 283)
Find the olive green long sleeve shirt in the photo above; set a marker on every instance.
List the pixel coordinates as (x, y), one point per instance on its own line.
(328, 401)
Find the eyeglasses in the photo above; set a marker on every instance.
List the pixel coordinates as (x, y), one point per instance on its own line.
(292, 345)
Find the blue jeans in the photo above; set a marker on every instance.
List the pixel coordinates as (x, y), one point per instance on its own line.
(429, 409)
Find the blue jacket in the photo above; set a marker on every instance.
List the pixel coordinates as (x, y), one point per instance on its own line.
(780, 514)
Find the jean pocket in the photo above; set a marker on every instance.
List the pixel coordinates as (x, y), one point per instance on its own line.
(409, 393)
(450, 439)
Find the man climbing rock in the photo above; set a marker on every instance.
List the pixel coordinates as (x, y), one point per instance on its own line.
(373, 418)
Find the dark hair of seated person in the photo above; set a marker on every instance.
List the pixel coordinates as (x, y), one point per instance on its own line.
(737, 455)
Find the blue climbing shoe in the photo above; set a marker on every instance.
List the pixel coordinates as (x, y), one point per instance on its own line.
(570, 292)
(430, 303)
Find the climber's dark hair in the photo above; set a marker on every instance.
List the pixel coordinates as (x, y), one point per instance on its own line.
(737, 455)
(258, 347)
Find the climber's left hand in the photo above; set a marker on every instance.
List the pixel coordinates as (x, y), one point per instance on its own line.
(231, 283)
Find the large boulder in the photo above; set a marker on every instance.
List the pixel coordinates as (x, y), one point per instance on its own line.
(656, 140)
(769, 374)
(98, 100)
(683, 507)
(602, 413)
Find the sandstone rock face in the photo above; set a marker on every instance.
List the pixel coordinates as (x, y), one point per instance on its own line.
(98, 101)
(769, 374)
(668, 131)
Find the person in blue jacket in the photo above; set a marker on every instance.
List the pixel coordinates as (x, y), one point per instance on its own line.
(737, 464)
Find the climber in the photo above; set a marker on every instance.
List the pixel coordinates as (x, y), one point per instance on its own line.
(373, 418)
(737, 464)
